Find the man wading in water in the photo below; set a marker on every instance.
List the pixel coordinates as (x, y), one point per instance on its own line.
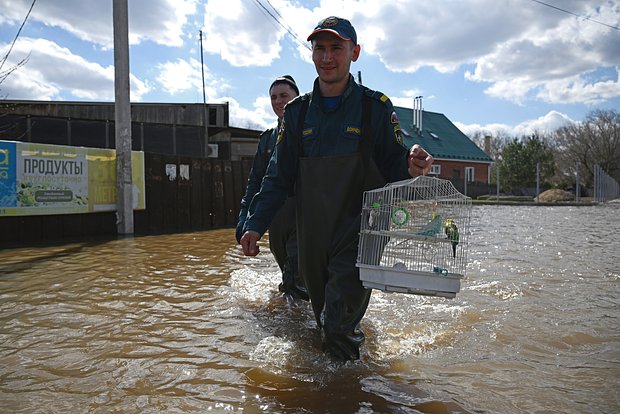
(282, 231)
(336, 142)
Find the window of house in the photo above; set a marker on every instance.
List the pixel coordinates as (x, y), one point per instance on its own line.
(435, 169)
(469, 174)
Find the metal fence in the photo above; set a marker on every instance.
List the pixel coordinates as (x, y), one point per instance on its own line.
(605, 187)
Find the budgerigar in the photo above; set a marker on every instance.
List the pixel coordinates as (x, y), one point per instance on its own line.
(432, 228)
(452, 232)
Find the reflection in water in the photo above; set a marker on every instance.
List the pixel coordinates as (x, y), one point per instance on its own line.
(184, 323)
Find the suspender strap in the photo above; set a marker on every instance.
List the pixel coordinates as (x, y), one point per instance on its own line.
(365, 145)
(305, 101)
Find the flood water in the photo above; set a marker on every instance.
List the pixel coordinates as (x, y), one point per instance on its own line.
(185, 324)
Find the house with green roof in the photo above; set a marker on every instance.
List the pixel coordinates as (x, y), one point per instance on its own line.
(457, 158)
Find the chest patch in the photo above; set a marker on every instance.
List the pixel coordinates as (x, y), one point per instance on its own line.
(353, 130)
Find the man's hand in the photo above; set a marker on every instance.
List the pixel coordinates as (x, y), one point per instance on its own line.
(248, 242)
(419, 161)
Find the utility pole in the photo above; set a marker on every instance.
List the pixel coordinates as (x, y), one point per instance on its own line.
(204, 100)
(122, 118)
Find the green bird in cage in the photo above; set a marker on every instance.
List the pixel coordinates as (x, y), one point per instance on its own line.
(452, 232)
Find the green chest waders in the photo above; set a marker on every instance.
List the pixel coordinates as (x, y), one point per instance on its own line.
(329, 200)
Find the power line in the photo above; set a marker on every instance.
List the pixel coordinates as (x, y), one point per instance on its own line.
(575, 14)
(280, 22)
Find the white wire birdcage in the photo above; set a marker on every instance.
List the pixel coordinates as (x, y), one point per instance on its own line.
(413, 237)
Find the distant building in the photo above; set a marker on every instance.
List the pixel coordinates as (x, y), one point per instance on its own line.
(178, 129)
(173, 129)
(457, 158)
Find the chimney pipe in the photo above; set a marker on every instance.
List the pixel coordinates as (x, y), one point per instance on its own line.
(420, 114)
(417, 114)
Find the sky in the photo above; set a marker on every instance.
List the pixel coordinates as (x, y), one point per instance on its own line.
(511, 67)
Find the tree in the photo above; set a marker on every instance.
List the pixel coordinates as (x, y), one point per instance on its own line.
(517, 166)
(595, 141)
(497, 142)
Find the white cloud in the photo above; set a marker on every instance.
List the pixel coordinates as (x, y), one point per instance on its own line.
(577, 90)
(242, 38)
(54, 72)
(251, 36)
(517, 47)
(160, 21)
(548, 57)
(489, 129)
(182, 76)
(179, 76)
(260, 118)
(544, 124)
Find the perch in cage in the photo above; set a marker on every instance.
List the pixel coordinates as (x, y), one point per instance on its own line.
(413, 237)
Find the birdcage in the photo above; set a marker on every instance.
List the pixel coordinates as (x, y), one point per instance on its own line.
(413, 237)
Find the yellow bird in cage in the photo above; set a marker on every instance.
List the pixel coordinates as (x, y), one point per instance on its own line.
(452, 232)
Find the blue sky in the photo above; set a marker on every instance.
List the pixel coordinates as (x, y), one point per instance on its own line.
(491, 66)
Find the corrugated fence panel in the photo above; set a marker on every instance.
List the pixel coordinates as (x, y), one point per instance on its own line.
(197, 218)
(231, 201)
(155, 176)
(238, 186)
(169, 200)
(219, 207)
(207, 198)
(184, 194)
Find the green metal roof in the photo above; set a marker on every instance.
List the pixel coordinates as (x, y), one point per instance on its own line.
(439, 136)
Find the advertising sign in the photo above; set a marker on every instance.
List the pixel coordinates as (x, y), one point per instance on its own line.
(38, 179)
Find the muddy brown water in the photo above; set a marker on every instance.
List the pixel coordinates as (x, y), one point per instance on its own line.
(185, 324)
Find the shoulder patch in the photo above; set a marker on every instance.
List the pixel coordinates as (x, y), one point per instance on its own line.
(379, 96)
(398, 134)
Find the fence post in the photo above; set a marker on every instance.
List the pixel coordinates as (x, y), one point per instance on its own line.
(537, 180)
(497, 180)
(577, 188)
(596, 183)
